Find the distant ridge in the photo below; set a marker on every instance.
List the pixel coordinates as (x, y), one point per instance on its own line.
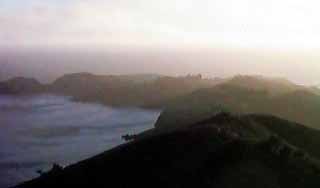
(187, 97)
(257, 82)
(21, 85)
(140, 90)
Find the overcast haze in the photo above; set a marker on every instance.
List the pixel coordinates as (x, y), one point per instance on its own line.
(45, 39)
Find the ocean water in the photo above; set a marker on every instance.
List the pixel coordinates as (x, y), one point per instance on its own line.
(37, 131)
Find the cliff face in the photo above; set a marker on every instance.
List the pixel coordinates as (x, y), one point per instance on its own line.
(222, 151)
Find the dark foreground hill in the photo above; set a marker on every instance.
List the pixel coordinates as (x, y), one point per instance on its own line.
(221, 152)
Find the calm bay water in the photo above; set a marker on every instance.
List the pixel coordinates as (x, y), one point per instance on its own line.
(36, 132)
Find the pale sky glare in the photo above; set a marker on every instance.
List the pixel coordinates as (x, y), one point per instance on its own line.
(273, 37)
(244, 23)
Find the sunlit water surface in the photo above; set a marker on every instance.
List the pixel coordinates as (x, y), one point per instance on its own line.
(36, 132)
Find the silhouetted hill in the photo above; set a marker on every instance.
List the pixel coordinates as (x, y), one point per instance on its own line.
(141, 91)
(90, 88)
(293, 104)
(78, 84)
(185, 99)
(219, 152)
(299, 106)
(273, 86)
(141, 78)
(20, 85)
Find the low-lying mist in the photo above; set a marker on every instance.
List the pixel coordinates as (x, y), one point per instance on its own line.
(37, 131)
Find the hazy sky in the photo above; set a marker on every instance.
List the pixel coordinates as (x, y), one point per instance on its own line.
(248, 23)
(288, 26)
